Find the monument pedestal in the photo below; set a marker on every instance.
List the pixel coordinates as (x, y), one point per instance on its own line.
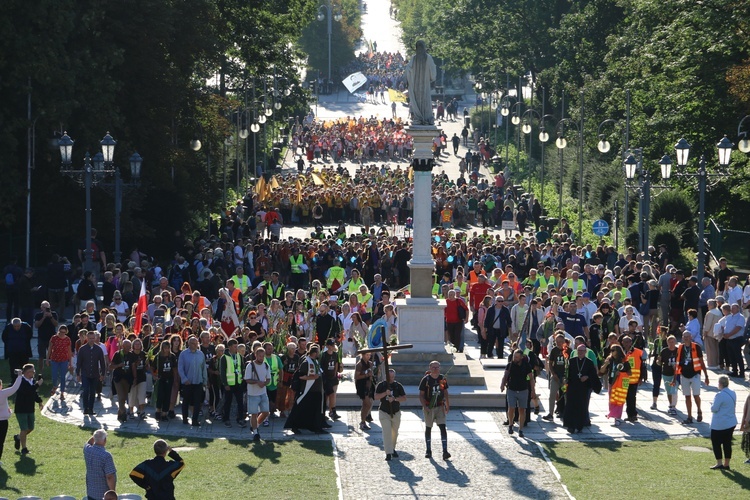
(420, 323)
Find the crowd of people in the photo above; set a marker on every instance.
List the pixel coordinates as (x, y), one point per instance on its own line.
(248, 320)
(384, 70)
(356, 139)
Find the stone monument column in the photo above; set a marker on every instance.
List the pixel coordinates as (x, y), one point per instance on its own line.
(420, 317)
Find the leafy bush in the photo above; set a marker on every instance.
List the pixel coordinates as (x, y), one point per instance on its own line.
(676, 206)
(667, 233)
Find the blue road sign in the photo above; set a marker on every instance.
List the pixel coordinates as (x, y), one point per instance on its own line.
(600, 227)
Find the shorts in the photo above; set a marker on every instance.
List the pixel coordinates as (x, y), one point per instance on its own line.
(692, 384)
(25, 421)
(137, 395)
(671, 389)
(364, 392)
(257, 404)
(436, 415)
(517, 399)
(330, 385)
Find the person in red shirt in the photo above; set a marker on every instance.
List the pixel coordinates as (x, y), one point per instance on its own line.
(477, 292)
(59, 355)
(453, 321)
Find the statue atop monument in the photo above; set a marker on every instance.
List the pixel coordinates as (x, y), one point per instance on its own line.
(420, 74)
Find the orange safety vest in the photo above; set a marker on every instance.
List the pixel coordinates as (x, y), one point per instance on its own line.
(236, 299)
(696, 359)
(474, 277)
(635, 360)
(447, 215)
(618, 393)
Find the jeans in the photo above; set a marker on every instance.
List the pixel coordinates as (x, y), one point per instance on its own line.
(88, 388)
(237, 392)
(192, 395)
(59, 369)
(656, 375)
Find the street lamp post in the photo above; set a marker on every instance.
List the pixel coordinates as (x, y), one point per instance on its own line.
(604, 146)
(561, 144)
(326, 12)
(504, 112)
(90, 174)
(634, 169)
(543, 138)
(682, 151)
(120, 187)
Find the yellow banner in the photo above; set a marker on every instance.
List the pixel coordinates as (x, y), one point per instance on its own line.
(260, 188)
(396, 96)
(317, 180)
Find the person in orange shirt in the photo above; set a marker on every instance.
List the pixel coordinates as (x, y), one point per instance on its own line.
(476, 272)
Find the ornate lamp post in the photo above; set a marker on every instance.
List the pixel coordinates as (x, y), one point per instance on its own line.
(120, 187)
(90, 174)
(701, 176)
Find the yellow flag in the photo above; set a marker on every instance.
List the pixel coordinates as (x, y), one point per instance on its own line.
(299, 191)
(260, 188)
(274, 183)
(396, 96)
(317, 180)
(411, 174)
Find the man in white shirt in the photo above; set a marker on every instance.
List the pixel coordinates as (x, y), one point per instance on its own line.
(257, 376)
(733, 292)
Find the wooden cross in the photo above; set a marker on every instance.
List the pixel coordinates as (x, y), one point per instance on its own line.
(384, 351)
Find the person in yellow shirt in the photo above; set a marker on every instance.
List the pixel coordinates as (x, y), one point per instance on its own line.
(365, 300)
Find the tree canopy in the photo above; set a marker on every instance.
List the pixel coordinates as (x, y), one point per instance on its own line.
(154, 73)
(686, 65)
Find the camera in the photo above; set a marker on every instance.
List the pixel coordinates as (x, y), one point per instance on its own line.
(39, 377)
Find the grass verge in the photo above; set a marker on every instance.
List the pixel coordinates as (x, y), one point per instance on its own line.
(648, 469)
(231, 469)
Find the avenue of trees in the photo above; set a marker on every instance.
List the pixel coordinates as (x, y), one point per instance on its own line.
(155, 74)
(685, 63)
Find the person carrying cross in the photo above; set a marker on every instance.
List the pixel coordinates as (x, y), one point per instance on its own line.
(391, 395)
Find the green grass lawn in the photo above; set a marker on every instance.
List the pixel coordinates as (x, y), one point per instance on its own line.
(222, 469)
(656, 469)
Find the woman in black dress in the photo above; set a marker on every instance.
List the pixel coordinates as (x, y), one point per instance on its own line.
(307, 413)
